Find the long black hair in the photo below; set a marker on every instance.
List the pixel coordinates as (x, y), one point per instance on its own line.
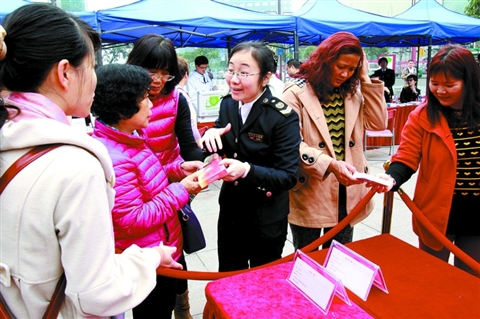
(38, 36)
(456, 62)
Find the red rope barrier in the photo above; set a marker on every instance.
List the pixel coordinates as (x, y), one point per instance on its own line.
(460, 254)
(205, 275)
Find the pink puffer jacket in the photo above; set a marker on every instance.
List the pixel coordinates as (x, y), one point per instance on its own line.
(161, 132)
(146, 204)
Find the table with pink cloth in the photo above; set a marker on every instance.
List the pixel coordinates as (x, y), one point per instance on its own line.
(419, 285)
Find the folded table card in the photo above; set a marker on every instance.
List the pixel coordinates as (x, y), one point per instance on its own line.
(315, 282)
(355, 271)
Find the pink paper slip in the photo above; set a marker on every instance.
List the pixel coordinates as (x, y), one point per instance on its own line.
(212, 171)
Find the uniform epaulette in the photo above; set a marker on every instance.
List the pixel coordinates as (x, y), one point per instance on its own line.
(301, 82)
(278, 105)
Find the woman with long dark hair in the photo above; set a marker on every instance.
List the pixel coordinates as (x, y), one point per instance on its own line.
(55, 214)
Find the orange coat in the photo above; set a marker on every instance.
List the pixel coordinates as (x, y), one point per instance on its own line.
(314, 199)
(433, 149)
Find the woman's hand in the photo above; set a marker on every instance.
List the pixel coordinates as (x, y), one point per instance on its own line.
(191, 183)
(190, 167)
(166, 259)
(381, 188)
(343, 172)
(212, 138)
(235, 169)
(364, 77)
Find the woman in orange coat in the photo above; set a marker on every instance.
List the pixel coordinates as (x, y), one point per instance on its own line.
(442, 137)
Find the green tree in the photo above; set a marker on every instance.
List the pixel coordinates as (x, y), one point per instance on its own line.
(116, 54)
(214, 56)
(473, 8)
(372, 53)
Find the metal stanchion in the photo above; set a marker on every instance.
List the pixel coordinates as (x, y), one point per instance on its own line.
(387, 207)
(387, 213)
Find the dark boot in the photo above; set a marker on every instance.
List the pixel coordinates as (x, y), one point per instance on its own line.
(182, 307)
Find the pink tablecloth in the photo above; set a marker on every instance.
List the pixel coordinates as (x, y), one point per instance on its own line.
(265, 293)
(419, 285)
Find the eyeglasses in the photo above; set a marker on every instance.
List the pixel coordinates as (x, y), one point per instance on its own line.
(229, 73)
(159, 76)
(410, 80)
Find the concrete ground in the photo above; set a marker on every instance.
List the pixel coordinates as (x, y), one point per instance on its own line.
(205, 206)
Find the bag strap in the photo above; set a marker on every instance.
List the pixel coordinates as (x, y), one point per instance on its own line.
(59, 294)
(57, 299)
(23, 161)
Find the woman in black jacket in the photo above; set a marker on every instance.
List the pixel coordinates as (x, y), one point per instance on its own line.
(411, 92)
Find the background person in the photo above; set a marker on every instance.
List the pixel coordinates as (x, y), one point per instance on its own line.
(261, 148)
(275, 84)
(410, 69)
(146, 204)
(293, 66)
(184, 72)
(63, 224)
(411, 92)
(441, 140)
(199, 80)
(169, 130)
(387, 76)
(334, 115)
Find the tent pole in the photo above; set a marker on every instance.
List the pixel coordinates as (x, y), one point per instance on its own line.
(99, 53)
(295, 45)
(429, 57)
(418, 59)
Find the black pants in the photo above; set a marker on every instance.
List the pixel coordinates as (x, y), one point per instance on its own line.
(302, 236)
(243, 244)
(160, 302)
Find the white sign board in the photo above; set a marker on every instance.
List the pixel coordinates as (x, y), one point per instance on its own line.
(208, 104)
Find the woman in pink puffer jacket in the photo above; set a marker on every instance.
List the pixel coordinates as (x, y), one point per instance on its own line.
(146, 203)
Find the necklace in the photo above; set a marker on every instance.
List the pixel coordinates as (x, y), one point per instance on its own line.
(457, 114)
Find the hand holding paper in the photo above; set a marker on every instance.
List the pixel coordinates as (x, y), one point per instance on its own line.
(211, 171)
(374, 179)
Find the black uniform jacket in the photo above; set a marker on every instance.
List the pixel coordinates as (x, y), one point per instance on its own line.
(269, 140)
(388, 77)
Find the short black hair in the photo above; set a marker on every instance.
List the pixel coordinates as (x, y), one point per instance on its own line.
(120, 88)
(154, 52)
(201, 59)
(412, 76)
(382, 59)
(293, 62)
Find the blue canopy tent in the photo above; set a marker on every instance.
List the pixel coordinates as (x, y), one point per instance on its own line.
(316, 20)
(447, 26)
(200, 23)
(8, 6)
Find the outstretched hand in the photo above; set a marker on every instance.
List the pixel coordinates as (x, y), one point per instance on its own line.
(382, 188)
(343, 172)
(191, 167)
(166, 259)
(212, 138)
(191, 183)
(235, 169)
